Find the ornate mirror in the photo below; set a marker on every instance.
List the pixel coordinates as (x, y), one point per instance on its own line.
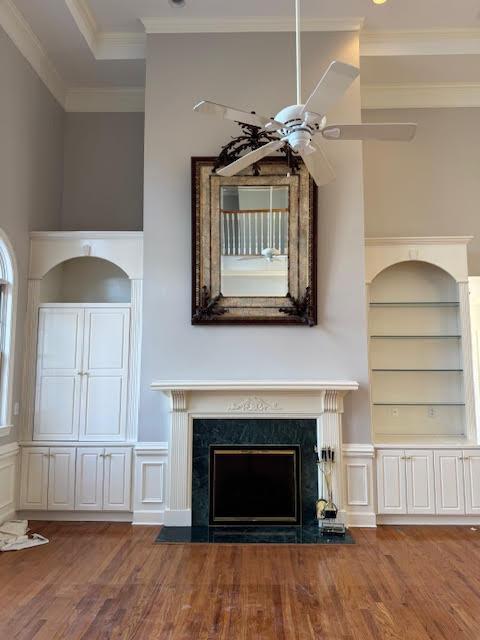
(254, 244)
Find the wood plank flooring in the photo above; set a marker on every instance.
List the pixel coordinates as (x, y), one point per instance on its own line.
(109, 581)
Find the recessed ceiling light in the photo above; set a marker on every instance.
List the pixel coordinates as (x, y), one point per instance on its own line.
(379, 1)
(177, 3)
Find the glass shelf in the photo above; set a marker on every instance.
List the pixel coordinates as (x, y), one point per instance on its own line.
(418, 404)
(421, 370)
(424, 337)
(415, 304)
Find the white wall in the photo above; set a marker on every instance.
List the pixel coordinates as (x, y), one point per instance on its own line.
(31, 168)
(430, 186)
(250, 71)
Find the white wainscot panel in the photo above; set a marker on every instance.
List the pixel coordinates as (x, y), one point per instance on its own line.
(8, 464)
(150, 478)
(358, 482)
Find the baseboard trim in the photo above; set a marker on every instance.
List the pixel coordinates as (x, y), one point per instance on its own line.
(361, 519)
(428, 520)
(76, 516)
(148, 517)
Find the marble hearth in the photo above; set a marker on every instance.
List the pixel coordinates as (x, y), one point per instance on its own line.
(294, 400)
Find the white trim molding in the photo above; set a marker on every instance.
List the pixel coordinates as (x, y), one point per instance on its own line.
(359, 498)
(420, 42)
(420, 95)
(8, 477)
(105, 45)
(244, 24)
(150, 473)
(105, 100)
(448, 253)
(21, 34)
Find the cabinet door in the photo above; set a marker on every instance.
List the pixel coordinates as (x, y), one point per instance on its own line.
(34, 478)
(117, 479)
(59, 356)
(420, 482)
(391, 482)
(89, 479)
(61, 479)
(449, 486)
(471, 467)
(105, 374)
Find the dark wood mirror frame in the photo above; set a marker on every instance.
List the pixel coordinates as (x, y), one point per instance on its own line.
(209, 306)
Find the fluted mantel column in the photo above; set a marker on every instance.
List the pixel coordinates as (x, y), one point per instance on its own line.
(178, 510)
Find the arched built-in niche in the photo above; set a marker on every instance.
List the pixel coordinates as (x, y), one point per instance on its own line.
(86, 279)
(416, 355)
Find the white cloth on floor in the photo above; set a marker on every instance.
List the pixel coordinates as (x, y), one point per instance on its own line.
(13, 536)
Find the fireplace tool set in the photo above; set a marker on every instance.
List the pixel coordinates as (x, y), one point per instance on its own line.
(326, 509)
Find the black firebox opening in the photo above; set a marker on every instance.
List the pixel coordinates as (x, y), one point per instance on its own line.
(254, 484)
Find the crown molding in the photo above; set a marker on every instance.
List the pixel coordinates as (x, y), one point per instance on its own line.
(420, 42)
(420, 96)
(418, 240)
(105, 45)
(120, 46)
(247, 24)
(106, 100)
(85, 21)
(21, 34)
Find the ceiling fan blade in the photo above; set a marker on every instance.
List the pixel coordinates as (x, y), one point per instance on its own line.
(335, 81)
(249, 158)
(319, 167)
(374, 131)
(229, 113)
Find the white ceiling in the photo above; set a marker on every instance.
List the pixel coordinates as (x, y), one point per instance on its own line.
(77, 35)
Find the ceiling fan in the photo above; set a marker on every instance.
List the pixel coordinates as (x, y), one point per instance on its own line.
(302, 126)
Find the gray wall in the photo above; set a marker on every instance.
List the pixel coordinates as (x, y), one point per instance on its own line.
(250, 71)
(31, 168)
(103, 188)
(431, 186)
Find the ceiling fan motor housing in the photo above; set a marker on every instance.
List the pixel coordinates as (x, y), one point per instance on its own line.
(298, 129)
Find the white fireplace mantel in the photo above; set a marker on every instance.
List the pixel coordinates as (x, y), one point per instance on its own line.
(255, 385)
(190, 399)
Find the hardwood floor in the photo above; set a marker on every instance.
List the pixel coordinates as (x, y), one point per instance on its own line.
(110, 581)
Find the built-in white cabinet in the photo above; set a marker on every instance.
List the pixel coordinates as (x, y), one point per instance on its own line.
(428, 482)
(34, 478)
(392, 496)
(420, 481)
(61, 479)
(103, 479)
(405, 482)
(82, 373)
(449, 482)
(76, 479)
(471, 474)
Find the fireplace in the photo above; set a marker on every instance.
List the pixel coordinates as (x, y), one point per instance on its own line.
(254, 484)
(254, 471)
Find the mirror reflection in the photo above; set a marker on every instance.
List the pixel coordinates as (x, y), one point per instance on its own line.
(254, 240)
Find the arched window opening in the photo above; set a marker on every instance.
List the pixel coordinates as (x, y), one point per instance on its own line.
(8, 285)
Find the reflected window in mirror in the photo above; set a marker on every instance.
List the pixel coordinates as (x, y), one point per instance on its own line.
(254, 240)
